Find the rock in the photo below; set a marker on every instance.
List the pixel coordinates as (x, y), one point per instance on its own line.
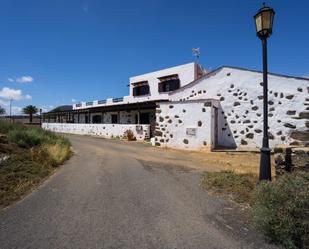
(290, 112)
(289, 96)
(282, 138)
(157, 144)
(179, 121)
(162, 140)
(271, 136)
(281, 95)
(222, 99)
(233, 121)
(204, 143)
(304, 115)
(299, 89)
(183, 110)
(232, 86)
(176, 116)
(270, 102)
(288, 125)
(279, 133)
(254, 108)
(250, 135)
(271, 109)
(199, 123)
(258, 130)
(275, 94)
(300, 135)
(161, 119)
(158, 111)
(236, 103)
(247, 121)
(235, 94)
(171, 106)
(243, 142)
(185, 141)
(203, 109)
(170, 121)
(260, 97)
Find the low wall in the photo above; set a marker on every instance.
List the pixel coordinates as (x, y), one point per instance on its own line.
(141, 132)
(291, 159)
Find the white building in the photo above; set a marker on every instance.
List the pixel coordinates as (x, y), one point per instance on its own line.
(187, 107)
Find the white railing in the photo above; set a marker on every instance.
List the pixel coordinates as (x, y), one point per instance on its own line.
(141, 132)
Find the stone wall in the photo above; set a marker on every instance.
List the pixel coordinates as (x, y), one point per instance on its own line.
(290, 159)
(141, 132)
(184, 125)
(240, 93)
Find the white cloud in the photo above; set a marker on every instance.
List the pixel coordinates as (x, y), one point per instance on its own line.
(11, 80)
(24, 79)
(15, 94)
(73, 100)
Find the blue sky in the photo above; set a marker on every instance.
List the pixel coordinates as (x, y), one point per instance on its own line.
(55, 51)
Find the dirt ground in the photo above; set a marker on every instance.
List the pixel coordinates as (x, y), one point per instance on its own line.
(241, 162)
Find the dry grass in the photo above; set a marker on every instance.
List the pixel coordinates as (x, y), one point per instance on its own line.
(238, 187)
(28, 165)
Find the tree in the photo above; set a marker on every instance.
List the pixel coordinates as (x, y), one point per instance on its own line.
(30, 110)
(2, 111)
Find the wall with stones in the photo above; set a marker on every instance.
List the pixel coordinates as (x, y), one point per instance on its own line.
(241, 106)
(291, 159)
(141, 132)
(184, 125)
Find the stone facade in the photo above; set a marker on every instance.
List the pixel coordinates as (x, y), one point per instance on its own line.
(240, 93)
(186, 125)
(290, 159)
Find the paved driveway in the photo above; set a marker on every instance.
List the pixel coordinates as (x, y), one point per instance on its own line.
(115, 194)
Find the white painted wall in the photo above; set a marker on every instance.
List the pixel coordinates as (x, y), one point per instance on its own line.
(238, 123)
(103, 130)
(187, 73)
(174, 118)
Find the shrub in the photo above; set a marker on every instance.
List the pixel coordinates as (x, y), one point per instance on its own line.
(129, 135)
(280, 209)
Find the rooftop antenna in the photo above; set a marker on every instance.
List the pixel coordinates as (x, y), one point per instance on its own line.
(196, 52)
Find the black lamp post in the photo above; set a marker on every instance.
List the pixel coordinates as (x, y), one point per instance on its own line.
(264, 23)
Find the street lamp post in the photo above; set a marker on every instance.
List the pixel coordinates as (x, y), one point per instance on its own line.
(264, 23)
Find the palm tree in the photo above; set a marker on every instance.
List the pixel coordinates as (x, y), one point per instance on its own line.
(30, 110)
(2, 111)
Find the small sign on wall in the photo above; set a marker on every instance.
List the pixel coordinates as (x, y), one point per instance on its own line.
(191, 131)
(139, 128)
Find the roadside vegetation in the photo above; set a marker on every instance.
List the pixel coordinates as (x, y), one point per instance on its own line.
(279, 209)
(27, 156)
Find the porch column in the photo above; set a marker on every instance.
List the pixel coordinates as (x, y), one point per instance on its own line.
(78, 117)
(102, 118)
(138, 114)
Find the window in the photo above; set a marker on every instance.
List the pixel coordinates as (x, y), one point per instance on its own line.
(114, 118)
(141, 90)
(169, 83)
(96, 119)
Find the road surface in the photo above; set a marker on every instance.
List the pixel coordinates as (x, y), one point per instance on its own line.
(110, 194)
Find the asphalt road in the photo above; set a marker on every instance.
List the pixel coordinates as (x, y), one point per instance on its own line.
(104, 197)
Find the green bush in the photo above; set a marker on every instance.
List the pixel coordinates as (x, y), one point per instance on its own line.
(280, 209)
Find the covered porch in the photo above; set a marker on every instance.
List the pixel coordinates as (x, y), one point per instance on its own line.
(107, 121)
